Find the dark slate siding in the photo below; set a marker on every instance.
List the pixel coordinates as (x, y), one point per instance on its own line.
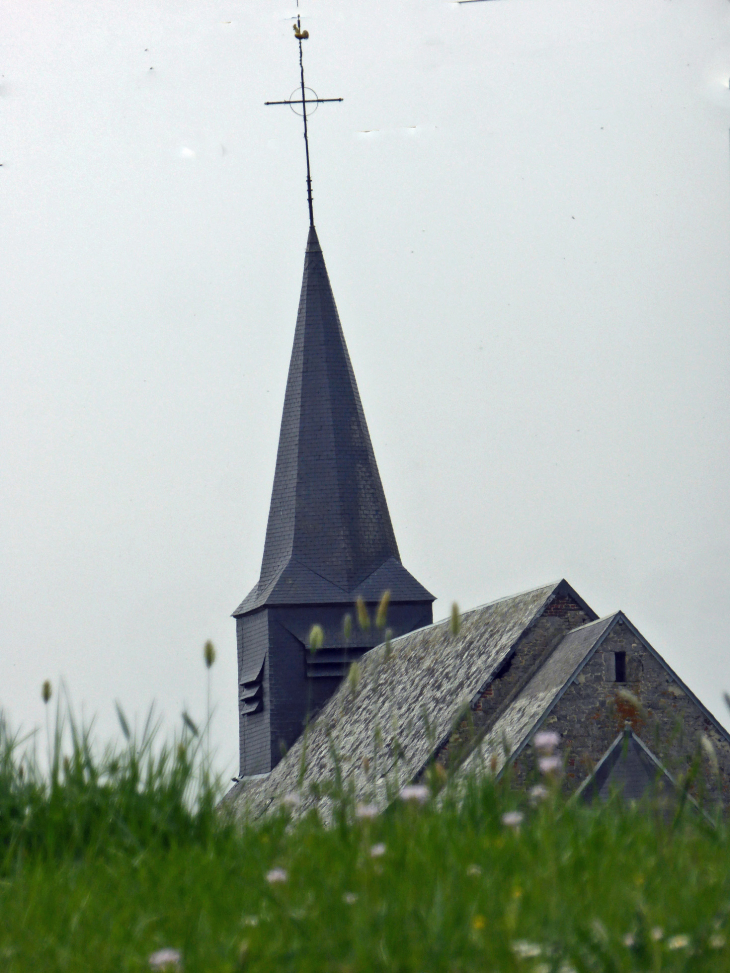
(294, 695)
(329, 537)
(288, 689)
(343, 528)
(252, 634)
(412, 690)
(328, 510)
(630, 767)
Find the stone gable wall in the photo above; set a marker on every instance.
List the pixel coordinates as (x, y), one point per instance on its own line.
(592, 712)
(532, 649)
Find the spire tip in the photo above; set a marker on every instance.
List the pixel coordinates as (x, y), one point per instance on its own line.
(313, 240)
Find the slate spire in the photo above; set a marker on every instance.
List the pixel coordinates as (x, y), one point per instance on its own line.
(329, 535)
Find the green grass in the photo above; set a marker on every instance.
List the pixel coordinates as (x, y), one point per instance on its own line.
(115, 856)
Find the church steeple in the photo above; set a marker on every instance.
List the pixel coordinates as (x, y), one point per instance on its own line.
(329, 528)
(329, 541)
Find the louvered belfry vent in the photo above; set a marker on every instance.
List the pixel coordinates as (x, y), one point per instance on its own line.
(252, 696)
(329, 663)
(329, 537)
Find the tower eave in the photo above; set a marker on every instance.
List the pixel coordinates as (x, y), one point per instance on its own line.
(297, 585)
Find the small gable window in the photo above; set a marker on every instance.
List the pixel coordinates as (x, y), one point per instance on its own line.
(615, 666)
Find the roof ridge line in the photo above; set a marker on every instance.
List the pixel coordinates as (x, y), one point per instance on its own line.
(667, 668)
(318, 574)
(595, 621)
(488, 604)
(470, 611)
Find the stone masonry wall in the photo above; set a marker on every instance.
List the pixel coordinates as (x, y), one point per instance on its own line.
(592, 712)
(530, 651)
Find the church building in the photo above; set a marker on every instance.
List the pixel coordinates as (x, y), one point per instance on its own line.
(380, 706)
(463, 698)
(469, 699)
(329, 541)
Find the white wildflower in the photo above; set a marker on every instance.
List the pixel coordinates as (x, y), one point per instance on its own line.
(716, 941)
(629, 940)
(417, 793)
(250, 920)
(678, 942)
(513, 819)
(657, 933)
(366, 812)
(524, 950)
(349, 898)
(474, 870)
(276, 876)
(377, 850)
(166, 959)
(710, 753)
(538, 793)
(292, 799)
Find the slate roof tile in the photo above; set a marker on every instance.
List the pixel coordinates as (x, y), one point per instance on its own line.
(329, 528)
(629, 766)
(409, 695)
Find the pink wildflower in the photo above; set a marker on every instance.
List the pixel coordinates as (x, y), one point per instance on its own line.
(549, 765)
(547, 740)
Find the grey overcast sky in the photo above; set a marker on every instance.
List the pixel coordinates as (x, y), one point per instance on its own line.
(525, 211)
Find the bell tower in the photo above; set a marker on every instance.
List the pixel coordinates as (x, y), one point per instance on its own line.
(329, 541)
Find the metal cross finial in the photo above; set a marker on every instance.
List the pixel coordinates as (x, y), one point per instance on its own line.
(302, 35)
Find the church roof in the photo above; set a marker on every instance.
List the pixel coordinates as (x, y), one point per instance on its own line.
(408, 698)
(533, 705)
(329, 536)
(413, 694)
(628, 766)
(530, 708)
